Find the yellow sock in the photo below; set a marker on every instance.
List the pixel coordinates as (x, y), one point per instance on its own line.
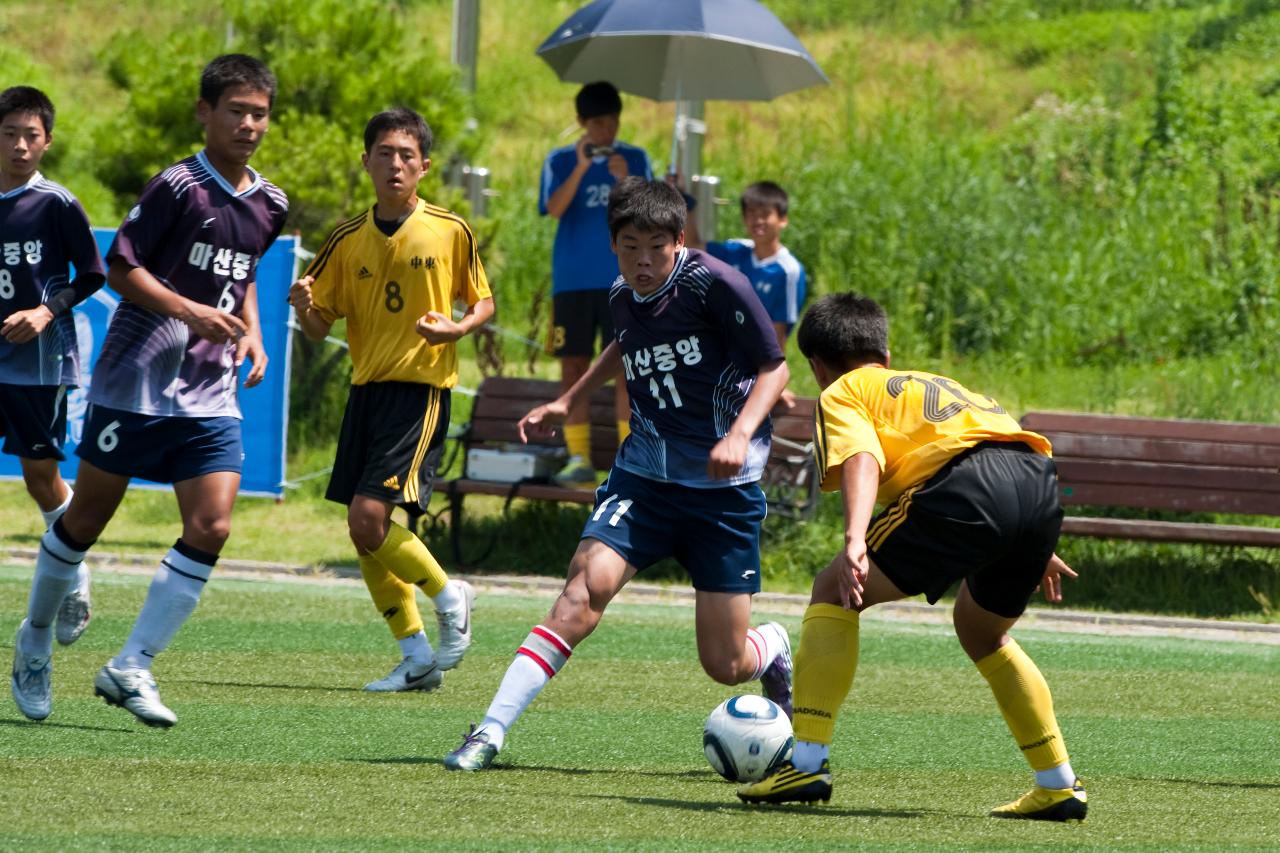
(393, 597)
(407, 558)
(577, 437)
(624, 430)
(1024, 700)
(824, 666)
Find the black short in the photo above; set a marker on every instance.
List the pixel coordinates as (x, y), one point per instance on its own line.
(991, 516)
(578, 319)
(392, 438)
(33, 420)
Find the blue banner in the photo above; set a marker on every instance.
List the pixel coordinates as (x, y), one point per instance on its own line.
(265, 406)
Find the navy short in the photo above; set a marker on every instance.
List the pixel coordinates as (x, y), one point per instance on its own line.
(580, 318)
(163, 449)
(391, 441)
(713, 533)
(990, 516)
(33, 420)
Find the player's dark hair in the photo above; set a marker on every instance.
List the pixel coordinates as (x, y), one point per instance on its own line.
(236, 69)
(765, 194)
(843, 330)
(27, 99)
(597, 99)
(646, 206)
(399, 118)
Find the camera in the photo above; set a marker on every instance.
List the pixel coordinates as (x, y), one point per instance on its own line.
(598, 150)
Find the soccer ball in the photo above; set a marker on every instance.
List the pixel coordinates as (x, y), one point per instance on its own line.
(746, 737)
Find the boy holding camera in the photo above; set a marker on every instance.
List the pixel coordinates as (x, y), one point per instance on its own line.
(576, 181)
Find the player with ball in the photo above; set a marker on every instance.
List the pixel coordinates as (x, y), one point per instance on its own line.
(969, 496)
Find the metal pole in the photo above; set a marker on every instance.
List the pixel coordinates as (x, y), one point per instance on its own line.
(690, 129)
(704, 189)
(465, 45)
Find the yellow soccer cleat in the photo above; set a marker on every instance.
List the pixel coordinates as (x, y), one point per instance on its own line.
(789, 785)
(1047, 804)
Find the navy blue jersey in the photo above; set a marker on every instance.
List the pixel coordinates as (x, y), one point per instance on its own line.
(43, 231)
(202, 239)
(691, 352)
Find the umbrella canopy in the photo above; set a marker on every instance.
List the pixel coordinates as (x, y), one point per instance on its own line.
(673, 50)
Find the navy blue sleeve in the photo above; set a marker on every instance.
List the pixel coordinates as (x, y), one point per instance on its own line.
(734, 304)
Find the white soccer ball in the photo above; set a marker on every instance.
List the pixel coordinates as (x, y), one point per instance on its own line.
(746, 737)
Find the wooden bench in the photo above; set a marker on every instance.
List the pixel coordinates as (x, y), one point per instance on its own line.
(789, 482)
(1181, 465)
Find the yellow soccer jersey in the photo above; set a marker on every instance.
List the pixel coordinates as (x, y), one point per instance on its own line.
(911, 422)
(382, 285)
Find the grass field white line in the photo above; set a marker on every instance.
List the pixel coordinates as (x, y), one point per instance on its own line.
(1043, 618)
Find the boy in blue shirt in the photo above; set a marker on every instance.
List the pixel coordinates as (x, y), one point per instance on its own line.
(576, 181)
(774, 272)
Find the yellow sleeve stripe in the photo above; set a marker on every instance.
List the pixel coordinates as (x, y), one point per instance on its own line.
(820, 441)
(322, 257)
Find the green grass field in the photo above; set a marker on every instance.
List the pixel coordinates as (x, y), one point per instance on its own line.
(276, 747)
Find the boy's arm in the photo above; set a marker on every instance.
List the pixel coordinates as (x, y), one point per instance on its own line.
(313, 325)
(730, 452)
(859, 481)
(440, 329)
(560, 199)
(141, 287)
(250, 344)
(542, 421)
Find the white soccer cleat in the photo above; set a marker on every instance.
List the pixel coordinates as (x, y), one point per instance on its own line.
(455, 627)
(32, 681)
(407, 676)
(135, 691)
(74, 612)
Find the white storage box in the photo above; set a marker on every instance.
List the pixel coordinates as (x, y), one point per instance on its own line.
(514, 462)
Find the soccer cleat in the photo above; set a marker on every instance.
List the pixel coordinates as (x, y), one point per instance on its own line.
(455, 627)
(1047, 804)
(577, 474)
(476, 752)
(135, 691)
(789, 785)
(407, 676)
(73, 613)
(32, 681)
(775, 681)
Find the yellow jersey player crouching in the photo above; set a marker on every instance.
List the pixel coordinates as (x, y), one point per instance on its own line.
(394, 272)
(969, 496)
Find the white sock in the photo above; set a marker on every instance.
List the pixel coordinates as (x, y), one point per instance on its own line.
(1056, 778)
(57, 564)
(416, 646)
(54, 514)
(807, 757)
(82, 578)
(447, 599)
(542, 654)
(496, 731)
(173, 595)
(765, 642)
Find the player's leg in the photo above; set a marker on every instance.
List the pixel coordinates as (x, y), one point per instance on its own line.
(1023, 491)
(596, 573)
(33, 420)
(205, 503)
(717, 540)
(369, 523)
(47, 488)
(386, 458)
(58, 563)
(1025, 702)
(825, 664)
